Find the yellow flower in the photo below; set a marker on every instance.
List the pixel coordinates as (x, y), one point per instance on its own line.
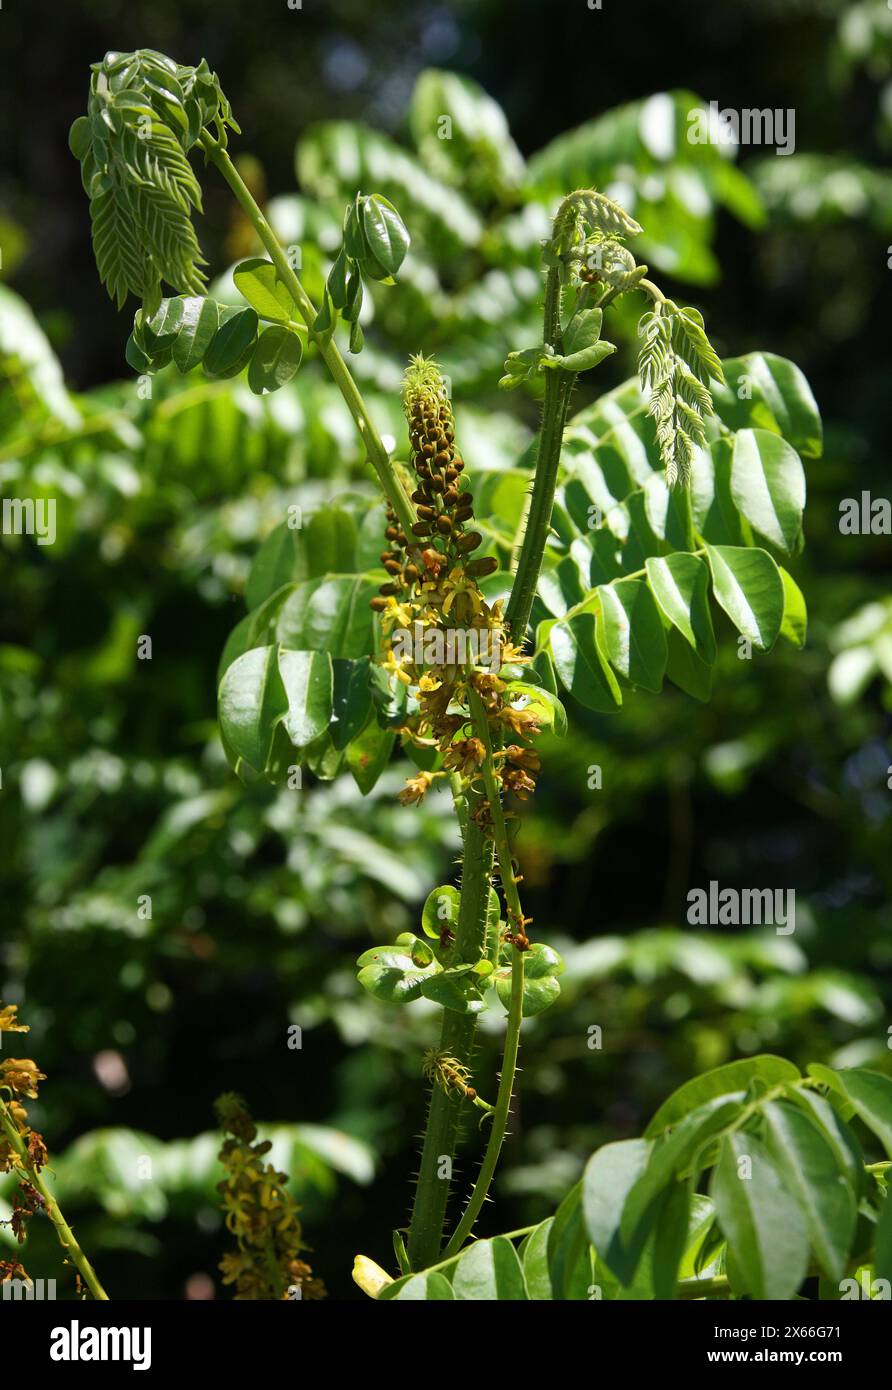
(9, 1022)
(461, 592)
(370, 1277)
(416, 789)
(22, 1075)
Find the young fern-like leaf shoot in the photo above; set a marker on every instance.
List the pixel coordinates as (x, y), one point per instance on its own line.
(676, 363)
(145, 113)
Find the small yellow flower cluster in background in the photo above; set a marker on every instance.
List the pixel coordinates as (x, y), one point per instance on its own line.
(19, 1076)
(434, 584)
(260, 1214)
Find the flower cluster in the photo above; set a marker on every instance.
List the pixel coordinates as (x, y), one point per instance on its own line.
(19, 1144)
(433, 590)
(260, 1214)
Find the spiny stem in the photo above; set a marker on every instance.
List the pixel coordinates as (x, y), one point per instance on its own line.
(556, 404)
(456, 1040)
(515, 1009)
(51, 1206)
(328, 348)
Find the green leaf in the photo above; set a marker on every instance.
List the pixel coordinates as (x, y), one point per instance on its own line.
(634, 634)
(196, 331)
(457, 987)
(871, 1095)
(795, 624)
(882, 1259)
(581, 664)
(534, 1258)
(385, 233)
(368, 754)
(583, 347)
(672, 1155)
(680, 585)
(808, 1166)
(159, 331)
(351, 699)
(489, 1271)
(729, 1080)
(609, 1177)
(670, 1240)
(229, 351)
(430, 1288)
(440, 910)
(846, 1149)
(542, 965)
(686, 669)
(307, 678)
(331, 542)
(770, 393)
(747, 584)
(330, 615)
(539, 701)
(256, 629)
(281, 560)
(768, 486)
(275, 359)
(252, 701)
(257, 280)
(760, 1220)
(396, 973)
(569, 1258)
(479, 156)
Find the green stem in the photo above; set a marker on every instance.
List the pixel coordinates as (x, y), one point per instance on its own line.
(703, 1288)
(328, 348)
(558, 390)
(456, 1040)
(51, 1206)
(515, 1009)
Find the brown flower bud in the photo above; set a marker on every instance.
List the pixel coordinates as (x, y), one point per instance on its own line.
(378, 604)
(392, 566)
(444, 525)
(487, 564)
(469, 541)
(422, 528)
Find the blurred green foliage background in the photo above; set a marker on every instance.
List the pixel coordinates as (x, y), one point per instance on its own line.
(113, 782)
